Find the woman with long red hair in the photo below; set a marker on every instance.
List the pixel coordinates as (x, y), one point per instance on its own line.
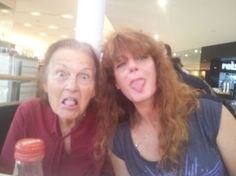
(154, 123)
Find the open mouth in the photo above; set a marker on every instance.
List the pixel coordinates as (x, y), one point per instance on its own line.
(137, 84)
(70, 102)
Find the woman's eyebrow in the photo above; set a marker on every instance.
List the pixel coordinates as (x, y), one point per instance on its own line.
(120, 58)
(87, 69)
(60, 64)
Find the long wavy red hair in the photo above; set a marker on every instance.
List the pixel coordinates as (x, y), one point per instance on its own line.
(174, 99)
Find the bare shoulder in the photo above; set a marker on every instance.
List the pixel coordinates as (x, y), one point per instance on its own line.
(226, 139)
(118, 164)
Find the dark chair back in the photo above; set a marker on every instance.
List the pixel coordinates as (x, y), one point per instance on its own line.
(6, 116)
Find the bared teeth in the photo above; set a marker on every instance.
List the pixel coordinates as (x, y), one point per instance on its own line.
(70, 101)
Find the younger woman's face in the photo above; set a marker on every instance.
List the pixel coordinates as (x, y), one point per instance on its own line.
(136, 77)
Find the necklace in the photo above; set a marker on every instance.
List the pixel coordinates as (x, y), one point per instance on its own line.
(143, 137)
(147, 145)
(143, 133)
(141, 141)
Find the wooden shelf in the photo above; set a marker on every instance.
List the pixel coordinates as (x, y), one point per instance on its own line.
(17, 78)
(9, 104)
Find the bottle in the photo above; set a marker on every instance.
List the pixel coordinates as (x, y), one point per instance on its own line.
(29, 153)
(234, 93)
(225, 88)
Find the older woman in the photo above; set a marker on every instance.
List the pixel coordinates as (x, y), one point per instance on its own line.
(168, 130)
(66, 119)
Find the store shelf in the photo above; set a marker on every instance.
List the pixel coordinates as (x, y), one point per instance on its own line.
(18, 75)
(17, 78)
(9, 104)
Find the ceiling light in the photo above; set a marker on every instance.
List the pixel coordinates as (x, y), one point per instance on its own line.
(52, 27)
(174, 54)
(35, 13)
(186, 55)
(5, 11)
(27, 25)
(67, 16)
(195, 51)
(156, 36)
(162, 3)
(64, 36)
(43, 34)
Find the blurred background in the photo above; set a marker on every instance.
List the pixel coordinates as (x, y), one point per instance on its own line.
(198, 32)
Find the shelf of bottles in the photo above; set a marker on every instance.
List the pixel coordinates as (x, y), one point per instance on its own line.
(18, 75)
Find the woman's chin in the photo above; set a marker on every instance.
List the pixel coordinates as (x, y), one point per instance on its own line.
(68, 117)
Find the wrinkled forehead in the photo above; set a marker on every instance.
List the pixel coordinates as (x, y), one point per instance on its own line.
(72, 57)
(75, 49)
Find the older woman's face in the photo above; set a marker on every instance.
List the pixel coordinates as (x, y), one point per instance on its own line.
(70, 82)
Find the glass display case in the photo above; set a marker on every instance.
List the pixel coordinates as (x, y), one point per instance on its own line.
(18, 75)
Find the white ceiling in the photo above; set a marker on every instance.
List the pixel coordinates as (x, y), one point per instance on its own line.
(185, 24)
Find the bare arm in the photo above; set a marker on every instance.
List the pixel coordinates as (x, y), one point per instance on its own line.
(119, 166)
(226, 140)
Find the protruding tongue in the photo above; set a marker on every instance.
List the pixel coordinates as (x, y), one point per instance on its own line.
(137, 85)
(70, 102)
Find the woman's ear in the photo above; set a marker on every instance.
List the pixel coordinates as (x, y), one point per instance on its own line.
(45, 86)
(43, 79)
(94, 93)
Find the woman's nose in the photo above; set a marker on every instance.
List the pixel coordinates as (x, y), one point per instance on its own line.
(72, 84)
(132, 66)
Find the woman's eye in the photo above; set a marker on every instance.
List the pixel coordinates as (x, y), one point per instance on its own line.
(84, 76)
(119, 65)
(60, 74)
(142, 57)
